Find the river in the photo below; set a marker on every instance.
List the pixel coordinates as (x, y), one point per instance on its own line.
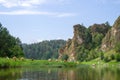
(79, 73)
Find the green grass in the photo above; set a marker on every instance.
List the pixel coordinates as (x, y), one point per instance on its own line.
(101, 63)
(8, 63)
(11, 63)
(5, 63)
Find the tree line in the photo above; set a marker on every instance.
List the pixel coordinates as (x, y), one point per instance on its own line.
(43, 50)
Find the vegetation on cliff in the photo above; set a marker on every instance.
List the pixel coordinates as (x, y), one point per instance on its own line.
(97, 41)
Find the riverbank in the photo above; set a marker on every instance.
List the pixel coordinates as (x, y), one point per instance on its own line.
(11, 63)
(100, 63)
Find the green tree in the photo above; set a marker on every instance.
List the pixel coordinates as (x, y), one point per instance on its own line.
(8, 44)
(101, 56)
(117, 47)
(97, 39)
(65, 57)
(43, 50)
(118, 57)
(107, 59)
(112, 56)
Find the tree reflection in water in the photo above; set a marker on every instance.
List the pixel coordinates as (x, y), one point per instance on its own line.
(81, 73)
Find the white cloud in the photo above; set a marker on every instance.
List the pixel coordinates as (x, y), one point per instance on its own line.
(31, 12)
(25, 12)
(66, 15)
(21, 3)
(28, 3)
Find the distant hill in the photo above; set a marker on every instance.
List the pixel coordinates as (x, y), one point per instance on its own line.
(92, 42)
(43, 50)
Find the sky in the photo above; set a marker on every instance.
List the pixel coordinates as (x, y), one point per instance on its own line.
(37, 20)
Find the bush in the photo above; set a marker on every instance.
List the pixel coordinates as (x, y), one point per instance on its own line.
(117, 47)
(112, 57)
(107, 59)
(118, 57)
(65, 57)
(101, 56)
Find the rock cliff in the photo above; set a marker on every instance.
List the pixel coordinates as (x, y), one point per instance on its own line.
(84, 38)
(112, 37)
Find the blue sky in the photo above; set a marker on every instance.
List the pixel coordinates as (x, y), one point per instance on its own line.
(37, 20)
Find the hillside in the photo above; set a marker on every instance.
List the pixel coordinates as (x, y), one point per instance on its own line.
(98, 40)
(43, 50)
(112, 37)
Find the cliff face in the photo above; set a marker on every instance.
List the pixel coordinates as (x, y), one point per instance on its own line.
(112, 37)
(80, 38)
(83, 38)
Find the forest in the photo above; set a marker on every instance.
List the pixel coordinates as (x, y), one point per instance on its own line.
(11, 46)
(43, 50)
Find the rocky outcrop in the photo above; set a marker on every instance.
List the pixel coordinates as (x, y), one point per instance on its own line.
(99, 28)
(112, 37)
(83, 38)
(98, 36)
(79, 39)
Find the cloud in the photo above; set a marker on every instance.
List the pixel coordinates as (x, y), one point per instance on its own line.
(66, 15)
(21, 3)
(31, 12)
(28, 3)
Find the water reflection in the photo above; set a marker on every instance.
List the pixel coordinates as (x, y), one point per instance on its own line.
(10, 74)
(81, 73)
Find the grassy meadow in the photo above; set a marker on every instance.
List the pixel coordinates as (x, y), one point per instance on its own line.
(18, 62)
(9, 63)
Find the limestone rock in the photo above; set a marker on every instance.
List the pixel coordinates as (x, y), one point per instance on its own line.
(112, 37)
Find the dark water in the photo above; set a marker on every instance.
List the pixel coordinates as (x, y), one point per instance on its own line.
(80, 73)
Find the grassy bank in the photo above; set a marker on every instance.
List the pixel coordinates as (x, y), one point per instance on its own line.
(101, 63)
(11, 63)
(8, 63)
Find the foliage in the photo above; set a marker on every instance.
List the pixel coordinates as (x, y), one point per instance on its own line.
(9, 45)
(112, 56)
(9, 63)
(82, 54)
(43, 50)
(118, 57)
(97, 39)
(107, 59)
(117, 47)
(65, 57)
(101, 56)
(6, 63)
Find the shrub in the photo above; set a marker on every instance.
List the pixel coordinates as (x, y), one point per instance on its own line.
(118, 57)
(117, 47)
(112, 57)
(101, 56)
(107, 59)
(65, 57)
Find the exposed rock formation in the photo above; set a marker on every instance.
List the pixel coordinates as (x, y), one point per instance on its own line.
(80, 37)
(83, 38)
(112, 37)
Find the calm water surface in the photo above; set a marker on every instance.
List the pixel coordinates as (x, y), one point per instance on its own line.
(80, 73)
